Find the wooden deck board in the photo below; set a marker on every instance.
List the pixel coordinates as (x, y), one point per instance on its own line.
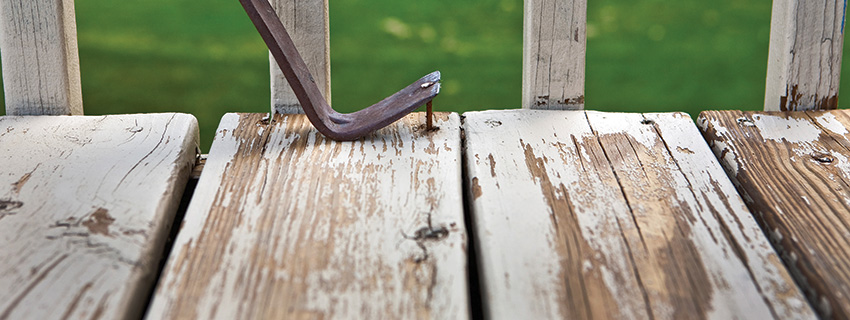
(288, 224)
(86, 204)
(794, 171)
(601, 215)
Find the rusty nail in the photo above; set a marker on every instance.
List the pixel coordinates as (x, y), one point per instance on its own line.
(429, 115)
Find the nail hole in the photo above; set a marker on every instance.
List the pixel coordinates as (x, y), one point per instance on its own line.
(822, 157)
(265, 120)
(746, 122)
(424, 128)
(647, 121)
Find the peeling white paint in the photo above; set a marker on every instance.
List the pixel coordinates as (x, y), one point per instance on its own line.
(842, 163)
(829, 122)
(729, 158)
(791, 130)
(719, 128)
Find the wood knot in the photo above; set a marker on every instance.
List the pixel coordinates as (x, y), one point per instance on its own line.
(822, 157)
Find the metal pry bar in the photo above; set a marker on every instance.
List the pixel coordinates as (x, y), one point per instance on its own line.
(335, 125)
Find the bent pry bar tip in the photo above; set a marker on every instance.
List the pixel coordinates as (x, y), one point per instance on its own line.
(335, 125)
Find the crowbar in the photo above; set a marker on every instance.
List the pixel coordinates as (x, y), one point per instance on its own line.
(335, 125)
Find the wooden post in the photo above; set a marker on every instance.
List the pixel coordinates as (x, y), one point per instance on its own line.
(41, 65)
(553, 53)
(804, 63)
(307, 24)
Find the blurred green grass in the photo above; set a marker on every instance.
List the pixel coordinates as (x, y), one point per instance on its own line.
(205, 58)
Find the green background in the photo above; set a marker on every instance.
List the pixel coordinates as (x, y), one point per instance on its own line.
(205, 58)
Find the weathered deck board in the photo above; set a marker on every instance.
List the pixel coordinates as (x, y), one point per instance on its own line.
(794, 171)
(85, 208)
(288, 224)
(599, 215)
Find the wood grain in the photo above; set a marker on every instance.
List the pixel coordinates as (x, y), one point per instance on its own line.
(804, 61)
(286, 224)
(794, 170)
(41, 67)
(307, 24)
(554, 44)
(603, 215)
(86, 204)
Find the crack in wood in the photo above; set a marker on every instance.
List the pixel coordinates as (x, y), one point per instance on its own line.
(154, 148)
(427, 233)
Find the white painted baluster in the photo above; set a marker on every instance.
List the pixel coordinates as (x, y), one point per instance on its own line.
(307, 24)
(554, 45)
(804, 63)
(41, 68)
